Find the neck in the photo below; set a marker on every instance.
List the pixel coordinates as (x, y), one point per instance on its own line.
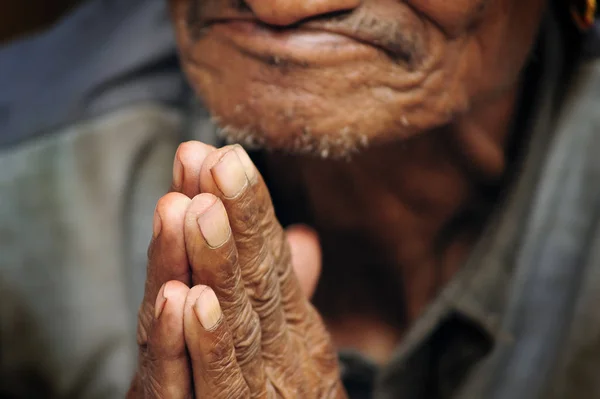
(19, 18)
(397, 222)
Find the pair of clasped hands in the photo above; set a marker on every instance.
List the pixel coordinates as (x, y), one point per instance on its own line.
(226, 311)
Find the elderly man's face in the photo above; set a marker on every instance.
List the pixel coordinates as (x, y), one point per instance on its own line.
(331, 76)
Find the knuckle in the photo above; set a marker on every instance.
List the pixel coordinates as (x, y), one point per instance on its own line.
(228, 388)
(247, 341)
(152, 387)
(268, 221)
(324, 357)
(223, 272)
(263, 286)
(230, 255)
(264, 268)
(143, 325)
(246, 216)
(240, 390)
(256, 265)
(271, 392)
(221, 355)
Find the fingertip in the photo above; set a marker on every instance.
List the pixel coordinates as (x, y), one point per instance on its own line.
(203, 302)
(229, 175)
(210, 346)
(171, 205)
(167, 337)
(169, 215)
(187, 166)
(214, 225)
(306, 254)
(249, 167)
(172, 295)
(208, 309)
(207, 182)
(167, 257)
(175, 289)
(177, 173)
(200, 203)
(164, 357)
(156, 225)
(207, 215)
(160, 303)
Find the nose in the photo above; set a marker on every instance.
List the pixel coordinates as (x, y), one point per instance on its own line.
(289, 12)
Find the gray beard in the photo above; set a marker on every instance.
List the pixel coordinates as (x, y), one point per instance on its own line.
(341, 145)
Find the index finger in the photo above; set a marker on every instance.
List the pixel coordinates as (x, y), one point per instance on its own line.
(167, 258)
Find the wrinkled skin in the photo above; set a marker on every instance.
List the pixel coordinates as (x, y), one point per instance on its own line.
(270, 75)
(441, 59)
(270, 341)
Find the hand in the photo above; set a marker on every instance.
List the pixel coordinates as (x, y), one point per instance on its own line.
(253, 333)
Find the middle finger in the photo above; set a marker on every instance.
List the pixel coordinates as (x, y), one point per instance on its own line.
(213, 258)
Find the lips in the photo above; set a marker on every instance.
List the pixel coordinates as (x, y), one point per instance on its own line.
(320, 39)
(292, 46)
(378, 36)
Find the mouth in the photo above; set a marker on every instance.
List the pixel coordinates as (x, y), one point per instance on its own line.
(310, 43)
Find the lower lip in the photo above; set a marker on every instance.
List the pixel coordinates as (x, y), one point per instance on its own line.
(294, 45)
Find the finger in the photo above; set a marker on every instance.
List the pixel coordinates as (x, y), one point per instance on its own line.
(306, 256)
(186, 167)
(216, 372)
(223, 174)
(256, 229)
(265, 262)
(213, 259)
(167, 258)
(164, 367)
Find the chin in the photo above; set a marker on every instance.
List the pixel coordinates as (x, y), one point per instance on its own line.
(304, 114)
(316, 106)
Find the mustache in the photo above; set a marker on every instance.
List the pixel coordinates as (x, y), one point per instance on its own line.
(399, 33)
(398, 37)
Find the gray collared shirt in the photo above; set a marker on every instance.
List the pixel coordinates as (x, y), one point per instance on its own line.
(520, 320)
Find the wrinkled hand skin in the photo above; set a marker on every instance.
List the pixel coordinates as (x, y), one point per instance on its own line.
(216, 237)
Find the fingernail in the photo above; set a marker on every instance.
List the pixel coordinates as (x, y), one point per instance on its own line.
(214, 225)
(161, 301)
(207, 309)
(247, 163)
(177, 173)
(229, 175)
(156, 224)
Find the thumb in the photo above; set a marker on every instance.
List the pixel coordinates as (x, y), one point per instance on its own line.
(306, 256)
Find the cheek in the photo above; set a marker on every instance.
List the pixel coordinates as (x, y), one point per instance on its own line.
(501, 44)
(452, 16)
